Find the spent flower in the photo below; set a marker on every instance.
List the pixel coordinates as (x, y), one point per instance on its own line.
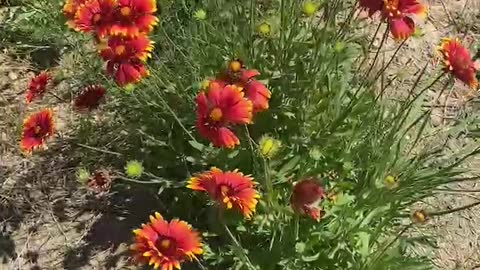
(306, 196)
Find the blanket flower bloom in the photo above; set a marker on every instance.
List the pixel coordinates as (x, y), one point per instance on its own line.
(166, 244)
(70, 9)
(231, 189)
(458, 61)
(125, 57)
(38, 86)
(133, 17)
(220, 108)
(306, 196)
(398, 13)
(95, 16)
(244, 78)
(37, 128)
(90, 98)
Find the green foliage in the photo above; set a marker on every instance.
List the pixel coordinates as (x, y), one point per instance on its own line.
(328, 119)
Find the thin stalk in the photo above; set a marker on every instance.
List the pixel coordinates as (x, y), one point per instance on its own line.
(252, 28)
(453, 210)
(57, 97)
(138, 181)
(390, 61)
(234, 241)
(175, 116)
(389, 245)
(384, 38)
(268, 181)
(368, 50)
(457, 190)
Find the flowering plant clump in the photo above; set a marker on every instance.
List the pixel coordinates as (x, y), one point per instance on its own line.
(125, 25)
(319, 170)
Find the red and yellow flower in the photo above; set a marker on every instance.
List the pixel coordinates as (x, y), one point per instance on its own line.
(37, 128)
(125, 57)
(90, 98)
(70, 9)
(121, 49)
(38, 86)
(244, 78)
(95, 16)
(306, 197)
(219, 109)
(133, 17)
(231, 189)
(398, 13)
(165, 245)
(128, 72)
(458, 61)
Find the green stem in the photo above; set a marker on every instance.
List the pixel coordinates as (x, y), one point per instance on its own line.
(389, 245)
(453, 210)
(268, 181)
(240, 250)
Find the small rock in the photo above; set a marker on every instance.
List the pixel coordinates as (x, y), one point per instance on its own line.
(12, 75)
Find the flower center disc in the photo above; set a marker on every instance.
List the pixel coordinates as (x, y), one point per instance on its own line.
(391, 6)
(216, 114)
(166, 246)
(37, 130)
(119, 50)
(125, 11)
(96, 18)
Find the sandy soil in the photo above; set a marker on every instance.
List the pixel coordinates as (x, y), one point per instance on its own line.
(49, 221)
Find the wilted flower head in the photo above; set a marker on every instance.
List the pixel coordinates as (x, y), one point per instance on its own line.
(420, 216)
(90, 98)
(310, 8)
(38, 86)
(100, 181)
(458, 61)
(165, 245)
(134, 169)
(200, 14)
(306, 197)
(231, 189)
(398, 13)
(269, 146)
(95, 16)
(220, 108)
(70, 9)
(37, 128)
(133, 17)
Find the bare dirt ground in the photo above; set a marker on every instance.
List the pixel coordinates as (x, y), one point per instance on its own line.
(48, 220)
